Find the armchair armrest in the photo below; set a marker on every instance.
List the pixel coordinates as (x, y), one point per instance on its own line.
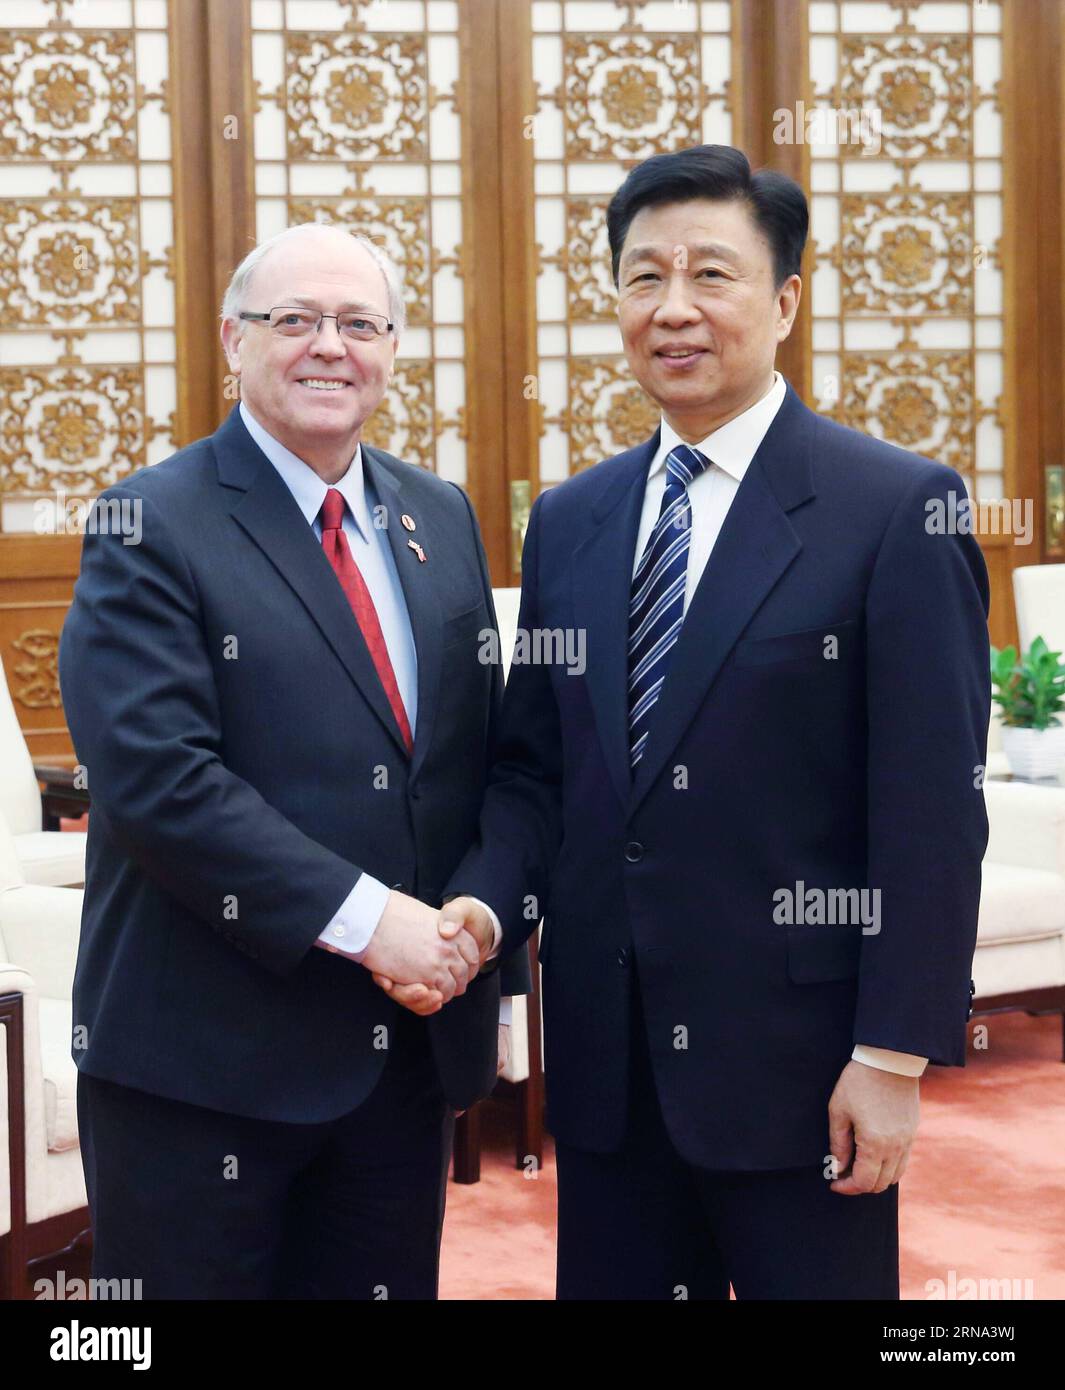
(1026, 825)
(60, 797)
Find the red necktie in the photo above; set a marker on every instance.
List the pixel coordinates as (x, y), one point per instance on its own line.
(338, 553)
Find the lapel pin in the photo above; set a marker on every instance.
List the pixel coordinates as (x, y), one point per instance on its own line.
(408, 521)
(418, 551)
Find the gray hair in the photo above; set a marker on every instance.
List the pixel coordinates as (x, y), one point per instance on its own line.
(233, 301)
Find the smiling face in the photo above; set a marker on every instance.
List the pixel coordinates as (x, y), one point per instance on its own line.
(313, 394)
(699, 314)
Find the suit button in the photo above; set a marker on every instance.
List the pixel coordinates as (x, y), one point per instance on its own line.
(401, 888)
(634, 851)
(623, 957)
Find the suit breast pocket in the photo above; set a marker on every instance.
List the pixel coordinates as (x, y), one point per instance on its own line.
(810, 648)
(464, 627)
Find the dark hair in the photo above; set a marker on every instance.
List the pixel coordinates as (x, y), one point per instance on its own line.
(722, 174)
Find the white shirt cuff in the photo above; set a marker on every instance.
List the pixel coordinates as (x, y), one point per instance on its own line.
(356, 919)
(496, 928)
(506, 1011)
(903, 1063)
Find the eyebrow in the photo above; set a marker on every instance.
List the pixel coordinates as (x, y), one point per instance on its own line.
(304, 302)
(654, 252)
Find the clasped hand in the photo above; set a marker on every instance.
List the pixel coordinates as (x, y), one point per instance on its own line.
(422, 957)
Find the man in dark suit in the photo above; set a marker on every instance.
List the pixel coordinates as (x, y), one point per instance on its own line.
(276, 697)
(754, 825)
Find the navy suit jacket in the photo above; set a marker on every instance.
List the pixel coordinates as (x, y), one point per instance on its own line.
(238, 791)
(776, 758)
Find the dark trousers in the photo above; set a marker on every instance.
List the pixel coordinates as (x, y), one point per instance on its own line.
(200, 1204)
(644, 1224)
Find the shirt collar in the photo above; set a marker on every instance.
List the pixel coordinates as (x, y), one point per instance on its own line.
(734, 445)
(303, 482)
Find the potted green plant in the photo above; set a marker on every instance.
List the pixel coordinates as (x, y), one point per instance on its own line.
(1031, 693)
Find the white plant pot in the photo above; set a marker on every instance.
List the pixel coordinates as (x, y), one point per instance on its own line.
(1035, 754)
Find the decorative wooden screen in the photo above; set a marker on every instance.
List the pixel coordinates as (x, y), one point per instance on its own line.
(480, 141)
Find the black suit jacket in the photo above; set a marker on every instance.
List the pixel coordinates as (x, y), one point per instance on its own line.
(245, 767)
(775, 759)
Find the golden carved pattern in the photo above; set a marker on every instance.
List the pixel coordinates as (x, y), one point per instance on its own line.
(67, 94)
(906, 247)
(400, 225)
(630, 95)
(357, 96)
(606, 413)
(922, 85)
(906, 251)
(81, 252)
(921, 400)
(69, 260)
(585, 258)
(407, 422)
(38, 670)
(79, 428)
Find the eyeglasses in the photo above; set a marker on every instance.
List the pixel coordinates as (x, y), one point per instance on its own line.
(294, 322)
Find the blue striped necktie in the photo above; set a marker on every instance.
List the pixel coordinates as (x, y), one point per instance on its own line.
(656, 610)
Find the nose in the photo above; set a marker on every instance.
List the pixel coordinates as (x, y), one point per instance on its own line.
(678, 305)
(327, 342)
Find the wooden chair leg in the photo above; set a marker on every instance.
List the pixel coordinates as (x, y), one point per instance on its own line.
(531, 1091)
(13, 1271)
(467, 1146)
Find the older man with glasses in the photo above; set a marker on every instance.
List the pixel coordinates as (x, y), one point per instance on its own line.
(278, 700)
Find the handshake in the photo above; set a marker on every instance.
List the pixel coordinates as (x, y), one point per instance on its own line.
(422, 957)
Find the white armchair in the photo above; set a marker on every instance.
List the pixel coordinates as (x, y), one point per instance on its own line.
(47, 857)
(42, 1185)
(1020, 949)
(1039, 593)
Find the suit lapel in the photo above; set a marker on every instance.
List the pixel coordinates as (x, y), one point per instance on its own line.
(602, 585)
(419, 590)
(756, 545)
(268, 513)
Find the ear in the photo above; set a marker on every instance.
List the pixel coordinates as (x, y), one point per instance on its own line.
(788, 297)
(232, 336)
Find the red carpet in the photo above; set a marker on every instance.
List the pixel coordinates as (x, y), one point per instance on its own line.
(983, 1198)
